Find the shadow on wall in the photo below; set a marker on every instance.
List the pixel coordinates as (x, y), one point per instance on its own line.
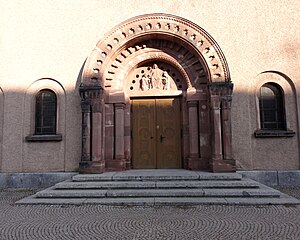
(1, 123)
(274, 149)
(18, 120)
(27, 149)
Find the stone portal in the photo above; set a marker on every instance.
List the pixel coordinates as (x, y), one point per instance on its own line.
(156, 93)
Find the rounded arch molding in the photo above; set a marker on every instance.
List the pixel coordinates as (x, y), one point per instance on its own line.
(170, 27)
(126, 55)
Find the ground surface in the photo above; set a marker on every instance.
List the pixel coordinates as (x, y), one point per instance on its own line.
(105, 222)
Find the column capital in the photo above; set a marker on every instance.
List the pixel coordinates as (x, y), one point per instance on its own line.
(91, 92)
(192, 104)
(226, 101)
(119, 105)
(220, 88)
(85, 105)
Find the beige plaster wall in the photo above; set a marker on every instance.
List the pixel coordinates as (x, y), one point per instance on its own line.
(51, 39)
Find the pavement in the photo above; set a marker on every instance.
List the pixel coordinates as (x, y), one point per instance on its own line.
(111, 222)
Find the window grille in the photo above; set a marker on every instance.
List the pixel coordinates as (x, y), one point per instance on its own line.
(45, 113)
(271, 105)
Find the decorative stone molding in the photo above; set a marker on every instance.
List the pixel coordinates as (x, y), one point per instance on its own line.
(161, 26)
(91, 104)
(273, 133)
(220, 102)
(189, 64)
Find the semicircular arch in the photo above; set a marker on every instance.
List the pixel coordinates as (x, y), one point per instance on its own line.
(155, 26)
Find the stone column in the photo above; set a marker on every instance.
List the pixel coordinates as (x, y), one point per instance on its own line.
(119, 130)
(215, 106)
(86, 130)
(220, 100)
(226, 126)
(91, 104)
(97, 134)
(193, 129)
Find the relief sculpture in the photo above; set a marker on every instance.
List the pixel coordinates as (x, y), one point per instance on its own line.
(156, 79)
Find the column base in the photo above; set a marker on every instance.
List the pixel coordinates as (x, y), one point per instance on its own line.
(91, 167)
(116, 165)
(197, 164)
(224, 165)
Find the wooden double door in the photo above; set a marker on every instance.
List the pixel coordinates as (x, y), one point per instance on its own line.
(156, 133)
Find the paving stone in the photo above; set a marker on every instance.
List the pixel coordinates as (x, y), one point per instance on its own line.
(32, 200)
(94, 220)
(283, 200)
(269, 178)
(289, 178)
(157, 175)
(104, 185)
(121, 201)
(155, 193)
(181, 201)
(108, 176)
(208, 184)
(219, 176)
(71, 193)
(245, 193)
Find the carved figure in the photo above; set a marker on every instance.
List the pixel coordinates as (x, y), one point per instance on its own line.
(144, 83)
(165, 82)
(149, 82)
(155, 76)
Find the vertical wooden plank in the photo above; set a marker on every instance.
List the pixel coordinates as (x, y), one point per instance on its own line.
(168, 133)
(143, 134)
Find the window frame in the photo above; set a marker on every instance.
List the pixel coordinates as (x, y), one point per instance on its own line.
(277, 110)
(44, 135)
(43, 110)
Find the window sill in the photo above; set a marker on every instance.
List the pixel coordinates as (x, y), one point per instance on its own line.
(273, 133)
(44, 138)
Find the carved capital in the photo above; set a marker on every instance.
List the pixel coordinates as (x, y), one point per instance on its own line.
(215, 102)
(226, 101)
(91, 98)
(91, 92)
(192, 104)
(86, 105)
(119, 106)
(220, 88)
(97, 105)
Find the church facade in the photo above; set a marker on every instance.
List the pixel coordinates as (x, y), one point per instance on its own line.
(95, 88)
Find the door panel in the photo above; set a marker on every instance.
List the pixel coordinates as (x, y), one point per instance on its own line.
(156, 133)
(143, 134)
(168, 132)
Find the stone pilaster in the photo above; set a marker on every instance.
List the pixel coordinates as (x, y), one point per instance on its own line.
(193, 129)
(220, 104)
(91, 105)
(86, 130)
(194, 161)
(119, 130)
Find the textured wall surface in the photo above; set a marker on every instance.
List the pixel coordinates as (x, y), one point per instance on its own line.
(50, 40)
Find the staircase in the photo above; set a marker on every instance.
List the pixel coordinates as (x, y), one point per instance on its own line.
(160, 187)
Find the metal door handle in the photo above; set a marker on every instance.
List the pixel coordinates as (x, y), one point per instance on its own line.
(161, 138)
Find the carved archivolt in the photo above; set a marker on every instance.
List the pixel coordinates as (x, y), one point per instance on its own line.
(199, 50)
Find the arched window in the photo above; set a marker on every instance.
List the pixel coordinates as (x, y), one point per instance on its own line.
(45, 112)
(271, 106)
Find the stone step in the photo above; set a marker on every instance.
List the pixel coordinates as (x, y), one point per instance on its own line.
(158, 188)
(146, 193)
(157, 175)
(162, 201)
(244, 183)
